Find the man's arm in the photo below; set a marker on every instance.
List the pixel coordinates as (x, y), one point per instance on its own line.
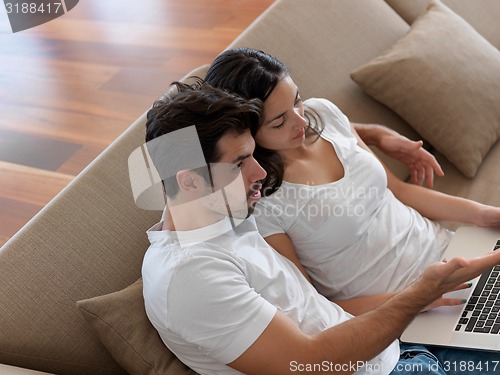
(421, 164)
(362, 337)
(361, 305)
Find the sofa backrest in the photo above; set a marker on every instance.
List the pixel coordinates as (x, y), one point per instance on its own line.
(88, 241)
(483, 15)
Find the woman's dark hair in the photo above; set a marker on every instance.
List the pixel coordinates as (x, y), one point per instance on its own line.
(254, 74)
(214, 113)
(247, 72)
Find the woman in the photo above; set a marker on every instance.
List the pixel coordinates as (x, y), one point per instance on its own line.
(330, 206)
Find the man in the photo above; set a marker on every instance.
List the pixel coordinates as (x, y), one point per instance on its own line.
(224, 301)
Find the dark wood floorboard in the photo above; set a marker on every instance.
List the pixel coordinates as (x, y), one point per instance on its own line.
(69, 87)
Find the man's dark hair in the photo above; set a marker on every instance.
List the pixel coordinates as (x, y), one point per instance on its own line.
(213, 112)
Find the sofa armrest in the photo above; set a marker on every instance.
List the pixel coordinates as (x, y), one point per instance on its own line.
(11, 370)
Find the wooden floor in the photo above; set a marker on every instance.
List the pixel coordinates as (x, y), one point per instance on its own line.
(69, 87)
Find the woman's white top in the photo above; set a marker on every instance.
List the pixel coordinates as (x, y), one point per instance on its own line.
(353, 236)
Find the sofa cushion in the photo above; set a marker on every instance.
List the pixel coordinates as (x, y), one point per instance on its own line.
(120, 322)
(444, 79)
(483, 15)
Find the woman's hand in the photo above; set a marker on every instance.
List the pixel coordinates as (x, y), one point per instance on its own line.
(421, 164)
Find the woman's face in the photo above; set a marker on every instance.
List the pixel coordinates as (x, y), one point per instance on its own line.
(284, 125)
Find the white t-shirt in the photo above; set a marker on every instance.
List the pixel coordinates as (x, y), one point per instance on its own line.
(212, 298)
(353, 236)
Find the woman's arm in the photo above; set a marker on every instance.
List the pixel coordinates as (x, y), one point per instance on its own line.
(439, 206)
(283, 245)
(355, 306)
(361, 305)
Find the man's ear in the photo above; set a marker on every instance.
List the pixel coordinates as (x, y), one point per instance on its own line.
(189, 180)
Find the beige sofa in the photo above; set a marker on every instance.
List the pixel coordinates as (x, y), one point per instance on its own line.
(90, 240)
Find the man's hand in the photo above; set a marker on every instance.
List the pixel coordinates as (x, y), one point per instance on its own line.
(443, 277)
(446, 301)
(421, 164)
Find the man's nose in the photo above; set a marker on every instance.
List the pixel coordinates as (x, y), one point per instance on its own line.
(258, 173)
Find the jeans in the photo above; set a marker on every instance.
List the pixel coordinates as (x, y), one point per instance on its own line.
(418, 359)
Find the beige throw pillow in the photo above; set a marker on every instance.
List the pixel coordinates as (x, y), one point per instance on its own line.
(443, 78)
(120, 322)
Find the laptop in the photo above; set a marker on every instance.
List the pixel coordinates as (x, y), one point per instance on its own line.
(476, 324)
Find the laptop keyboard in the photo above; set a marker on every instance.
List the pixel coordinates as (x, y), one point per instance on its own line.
(481, 314)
